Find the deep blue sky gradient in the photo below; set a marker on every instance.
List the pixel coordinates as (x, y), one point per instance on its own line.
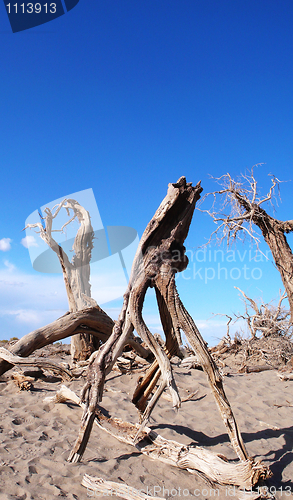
(126, 96)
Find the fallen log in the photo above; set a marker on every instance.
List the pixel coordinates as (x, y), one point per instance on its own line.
(244, 474)
(92, 320)
(109, 488)
(256, 369)
(40, 363)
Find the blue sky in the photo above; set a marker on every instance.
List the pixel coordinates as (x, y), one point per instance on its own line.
(124, 97)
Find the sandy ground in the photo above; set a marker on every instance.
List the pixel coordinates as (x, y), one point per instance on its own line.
(36, 437)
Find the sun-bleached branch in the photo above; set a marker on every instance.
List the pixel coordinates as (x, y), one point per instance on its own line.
(266, 319)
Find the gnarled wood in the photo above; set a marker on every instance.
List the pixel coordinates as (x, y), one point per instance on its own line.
(92, 320)
(109, 488)
(76, 273)
(192, 458)
(240, 209)
(41, 363)
(159, 257)
(24, 383)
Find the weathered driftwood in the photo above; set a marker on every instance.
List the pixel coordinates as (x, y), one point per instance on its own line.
(41, 363)
(192, 458)
(110, 488)
(266, 319)
(191, 362)
(256, 369)
(76, 272)
(93, 320)
(24, 383)
(159, 256)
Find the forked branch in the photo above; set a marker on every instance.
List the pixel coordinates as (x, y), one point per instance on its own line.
(160, 255)
(237, 210)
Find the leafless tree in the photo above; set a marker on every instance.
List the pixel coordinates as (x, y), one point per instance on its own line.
(237, 208)
(155, 265)
(76, 272)
(268, 320)
(159, 257)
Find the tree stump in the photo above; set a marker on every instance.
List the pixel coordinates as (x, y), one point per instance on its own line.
(160, 255)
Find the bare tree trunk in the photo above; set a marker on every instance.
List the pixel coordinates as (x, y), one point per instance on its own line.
(159, 256)
(76, 273)
(240, 209)
(274, 234)
(93, 320)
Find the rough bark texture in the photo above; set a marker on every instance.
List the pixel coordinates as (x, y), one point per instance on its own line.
(241, 208)
(159, 256)
(189, 457)
(92, 321)
(273, 232)
(76, 273)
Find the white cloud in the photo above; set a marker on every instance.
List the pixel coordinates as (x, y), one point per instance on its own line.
(5, 244)
(11, 267)
(29, 301)
(29, 241)
(32, 317)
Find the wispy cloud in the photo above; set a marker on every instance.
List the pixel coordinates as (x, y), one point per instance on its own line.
(29, 241)
(11, 267)
(5, 244)
(33, 318)
(29, 301)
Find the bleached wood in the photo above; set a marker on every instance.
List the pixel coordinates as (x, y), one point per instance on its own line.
(41, 363)
(24, 383)
(76, 272)
(160, 255)
(267, 319)
(110, 488)
(93, 318)
(192, 458)
(191, 362)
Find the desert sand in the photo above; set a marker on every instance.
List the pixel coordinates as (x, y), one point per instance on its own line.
(36, 437)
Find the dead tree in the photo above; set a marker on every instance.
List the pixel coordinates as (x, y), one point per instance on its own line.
(241, 210)
(159, 257)
(76, 272)
(91, 321)
(195, 459)
(269, 346)
(267, 320)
